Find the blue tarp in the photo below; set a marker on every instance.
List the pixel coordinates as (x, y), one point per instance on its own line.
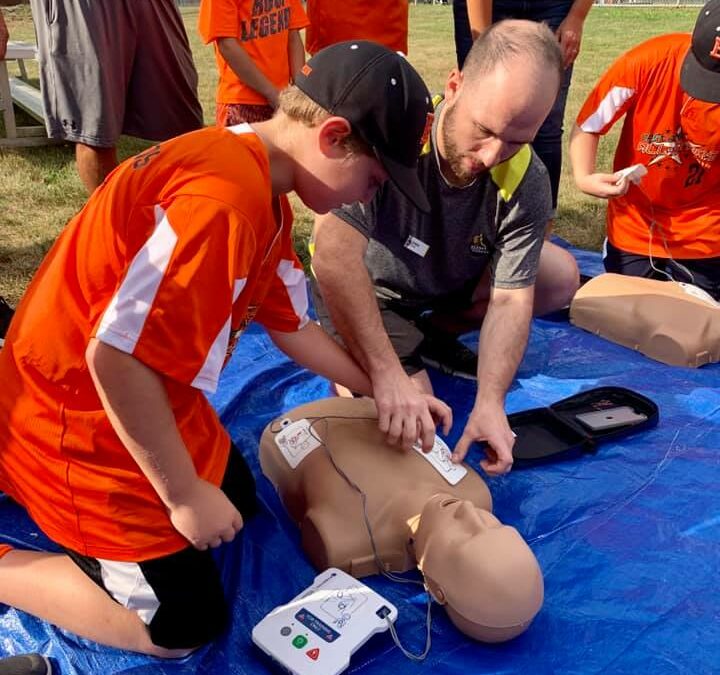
(628, 538)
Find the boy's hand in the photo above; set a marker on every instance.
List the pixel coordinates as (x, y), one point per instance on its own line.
(205, 516)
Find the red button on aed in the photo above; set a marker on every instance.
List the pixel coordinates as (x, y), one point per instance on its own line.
(313, 653)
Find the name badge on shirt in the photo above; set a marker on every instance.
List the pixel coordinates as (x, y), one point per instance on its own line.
(416, 246)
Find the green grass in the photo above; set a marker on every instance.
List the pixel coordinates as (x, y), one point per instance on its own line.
(40, 190)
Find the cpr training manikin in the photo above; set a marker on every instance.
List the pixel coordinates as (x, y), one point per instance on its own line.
(672, 322)
(482, 571)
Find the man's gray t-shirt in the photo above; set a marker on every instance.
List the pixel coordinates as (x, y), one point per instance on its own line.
(417, 259)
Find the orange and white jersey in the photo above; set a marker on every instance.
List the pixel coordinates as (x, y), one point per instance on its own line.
(676, 137)
(168, 261)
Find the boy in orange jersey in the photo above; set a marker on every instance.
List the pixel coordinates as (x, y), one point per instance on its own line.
(258, 50)
(383, 21)
(668, 88)
(106, 436)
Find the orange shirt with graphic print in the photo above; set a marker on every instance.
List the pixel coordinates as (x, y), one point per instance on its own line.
(331, 21)
(676, 137)
(168, 261)
(262, 28)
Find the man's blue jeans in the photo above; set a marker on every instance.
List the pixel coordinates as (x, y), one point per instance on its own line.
(548, 142)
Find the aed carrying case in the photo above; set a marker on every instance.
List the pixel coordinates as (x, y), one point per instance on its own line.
(578, 424)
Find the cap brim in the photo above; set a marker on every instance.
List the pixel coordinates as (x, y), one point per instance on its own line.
(699, 82)
(407, 181)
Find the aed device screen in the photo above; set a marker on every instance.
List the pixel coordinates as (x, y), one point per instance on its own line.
(320, 628)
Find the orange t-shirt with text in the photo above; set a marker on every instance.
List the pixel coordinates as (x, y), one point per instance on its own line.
(262, 28)
(676, 208)
(383, 21)
(168, 261)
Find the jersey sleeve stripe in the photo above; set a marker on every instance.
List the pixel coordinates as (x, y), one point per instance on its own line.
(606, 111)
(208, 376)
(295, 284)
(125, 316)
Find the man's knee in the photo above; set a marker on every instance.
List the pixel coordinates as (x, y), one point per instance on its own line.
(558, 279)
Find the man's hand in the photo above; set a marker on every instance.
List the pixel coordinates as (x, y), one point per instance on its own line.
(569, 35)
(489, 424)
(204, 515)
(603, 185)
(407, 415)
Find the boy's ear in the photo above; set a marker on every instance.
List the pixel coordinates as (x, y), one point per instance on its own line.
(331, 134)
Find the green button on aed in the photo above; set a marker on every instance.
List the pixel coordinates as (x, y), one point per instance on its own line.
(299, 641)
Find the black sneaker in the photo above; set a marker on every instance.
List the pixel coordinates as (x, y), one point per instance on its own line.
(27, 664)
(450, 356)
(6, 313)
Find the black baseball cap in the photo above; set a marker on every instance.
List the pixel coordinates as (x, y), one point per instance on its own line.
(700, 74)
(384, 99)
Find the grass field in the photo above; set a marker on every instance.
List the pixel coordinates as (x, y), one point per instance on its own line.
(40, 190)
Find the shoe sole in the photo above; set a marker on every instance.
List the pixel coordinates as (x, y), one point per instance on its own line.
(447, 371)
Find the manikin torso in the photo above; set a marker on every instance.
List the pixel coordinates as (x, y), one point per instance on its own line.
(329, 511)
(481, 570)
(668, 321)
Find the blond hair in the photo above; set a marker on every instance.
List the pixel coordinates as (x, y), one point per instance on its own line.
(299, 107)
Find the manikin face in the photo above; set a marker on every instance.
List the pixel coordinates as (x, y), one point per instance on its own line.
(482, 569)
(329, 175)
(486, 121)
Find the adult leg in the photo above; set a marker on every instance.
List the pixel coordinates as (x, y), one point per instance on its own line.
(463, 36)
(94, 164)
(548, 142)
(558, 278)
(85, 52)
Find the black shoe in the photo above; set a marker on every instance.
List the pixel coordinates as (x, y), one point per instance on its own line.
(6, 313)
(450, 356)
(28, 664)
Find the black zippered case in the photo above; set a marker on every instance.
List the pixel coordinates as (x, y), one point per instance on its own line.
(558, 432)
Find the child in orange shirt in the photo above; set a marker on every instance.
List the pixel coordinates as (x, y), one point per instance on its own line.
(107, 437)
(668, 90)
(258, 50)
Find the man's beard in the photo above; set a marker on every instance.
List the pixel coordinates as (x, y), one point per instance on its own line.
(452, 155)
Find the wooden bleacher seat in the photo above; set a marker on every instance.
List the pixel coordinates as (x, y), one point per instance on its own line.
(25, 96)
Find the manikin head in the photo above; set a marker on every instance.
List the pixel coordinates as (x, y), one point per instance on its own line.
(481, 570)
(497, 103)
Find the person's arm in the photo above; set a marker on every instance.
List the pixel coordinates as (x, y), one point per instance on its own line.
(314, 349)
(502, 342)
(137, 406)
(244, 67)
(4, 35)
(569, 32)
(296, 53)
(479, 16)
(403, 412)
(583, 157)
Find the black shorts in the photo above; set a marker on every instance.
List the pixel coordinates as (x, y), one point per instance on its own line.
(400, 321)
(180, 596)
(702, 272)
